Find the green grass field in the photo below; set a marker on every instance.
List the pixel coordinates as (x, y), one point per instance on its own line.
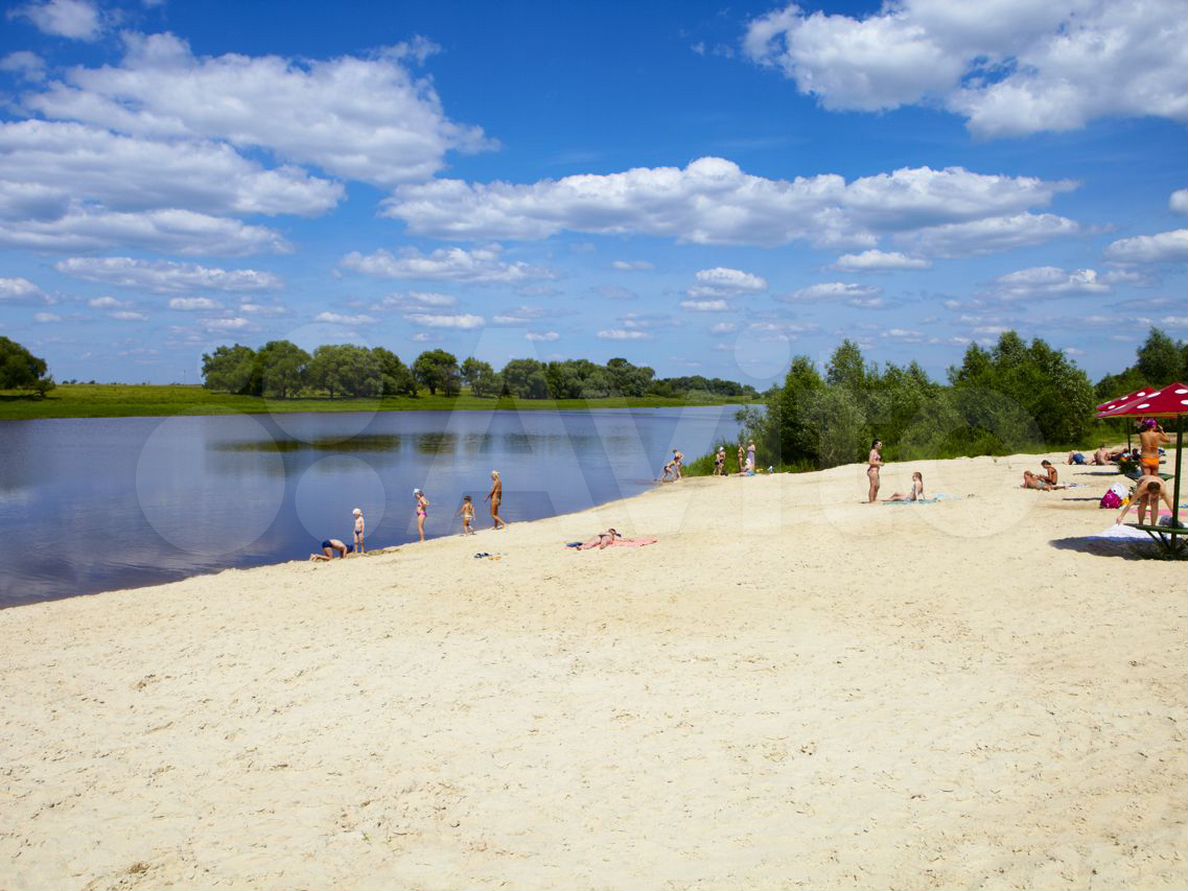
(131, 400)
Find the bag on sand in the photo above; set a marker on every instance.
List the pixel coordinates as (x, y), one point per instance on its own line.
(1111, 500)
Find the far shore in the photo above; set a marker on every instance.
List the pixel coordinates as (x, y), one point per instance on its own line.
(172, 400)
(790, 688)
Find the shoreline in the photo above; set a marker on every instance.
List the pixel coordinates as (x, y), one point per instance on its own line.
(790, 687)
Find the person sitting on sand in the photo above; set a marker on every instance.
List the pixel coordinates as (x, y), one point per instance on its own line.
(1148, 495)
(330, 547)
(917, 492)
(359, 527)
(1050, 471)
(1034, 481)
(466, 512)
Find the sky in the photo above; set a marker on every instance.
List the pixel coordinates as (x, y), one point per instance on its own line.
(703, 188)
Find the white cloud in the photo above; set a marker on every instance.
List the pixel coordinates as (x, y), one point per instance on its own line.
(1178, 203)
(413, 300)
(990, 235)
(175, 231)
(166, 276)
(261, 309)
(365, 119)
(1166, 247)
(464, 321)
(334, 318)
(84, 163)
(835, 292)
(237, 323)
(724, 282)
(521, 315)
(46, 318)
(1047, 282)
(705, 305)
(126, 315)
(21, 290)
(107, 303)
(624, 334)
(711, 201)
(480, 266)
(545, 337)
(194, 304)
(1010, 67)
(632, 265)
(879, 261)
(421, 337)
(29, 65)
(75, 19)
(724, 328)
(904, 335)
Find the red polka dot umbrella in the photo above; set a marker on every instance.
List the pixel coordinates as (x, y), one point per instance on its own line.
(1165, 402)
(1122, 400)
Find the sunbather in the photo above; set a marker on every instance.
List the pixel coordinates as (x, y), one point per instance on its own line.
(917, 492)
(1033, 481)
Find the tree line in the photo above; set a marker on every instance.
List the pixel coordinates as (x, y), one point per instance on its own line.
(1013, 397)
(282, 370)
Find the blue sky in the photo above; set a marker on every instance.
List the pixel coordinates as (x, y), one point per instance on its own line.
(701, 188)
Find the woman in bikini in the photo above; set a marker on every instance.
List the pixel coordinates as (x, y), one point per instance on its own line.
(874, 462)
(422, 511)
(1151, 437)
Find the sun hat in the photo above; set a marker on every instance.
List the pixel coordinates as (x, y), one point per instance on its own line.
(357, 511)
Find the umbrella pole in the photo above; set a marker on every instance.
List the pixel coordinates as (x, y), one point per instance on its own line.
(1176, 484)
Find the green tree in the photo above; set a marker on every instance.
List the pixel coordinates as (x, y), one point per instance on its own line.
(229, 369)
(789, 432)
(21, 370)
(627, 379)
(525, 378)
(480, 377)
(438, 370)
(283, 367)
(395, 377)
(346, 370)
(1162, 360)
(847, 368)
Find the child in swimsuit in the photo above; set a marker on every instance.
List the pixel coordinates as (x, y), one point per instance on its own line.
(359, 527)
(422, 511)
(466, 512)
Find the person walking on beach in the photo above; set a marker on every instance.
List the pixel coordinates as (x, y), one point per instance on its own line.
(422, 511)
(742, 458)
(874, 464)
(1151, 438)
(359, 527)
(495, 496)
(466, 512)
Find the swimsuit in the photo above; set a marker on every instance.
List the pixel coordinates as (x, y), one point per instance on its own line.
(1151, 463)
(326, 544)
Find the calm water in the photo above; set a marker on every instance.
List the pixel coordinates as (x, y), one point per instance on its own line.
(94, 505)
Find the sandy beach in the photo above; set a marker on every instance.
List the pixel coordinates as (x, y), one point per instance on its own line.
(790, 689)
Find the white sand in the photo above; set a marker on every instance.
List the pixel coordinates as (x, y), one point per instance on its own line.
(792, 689)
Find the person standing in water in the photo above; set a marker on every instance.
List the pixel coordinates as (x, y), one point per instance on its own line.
(874, 465)
(422, 511)
(495, 496)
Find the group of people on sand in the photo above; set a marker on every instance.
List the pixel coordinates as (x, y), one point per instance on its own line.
(332, 547)
(874, 468)
(746, 460)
